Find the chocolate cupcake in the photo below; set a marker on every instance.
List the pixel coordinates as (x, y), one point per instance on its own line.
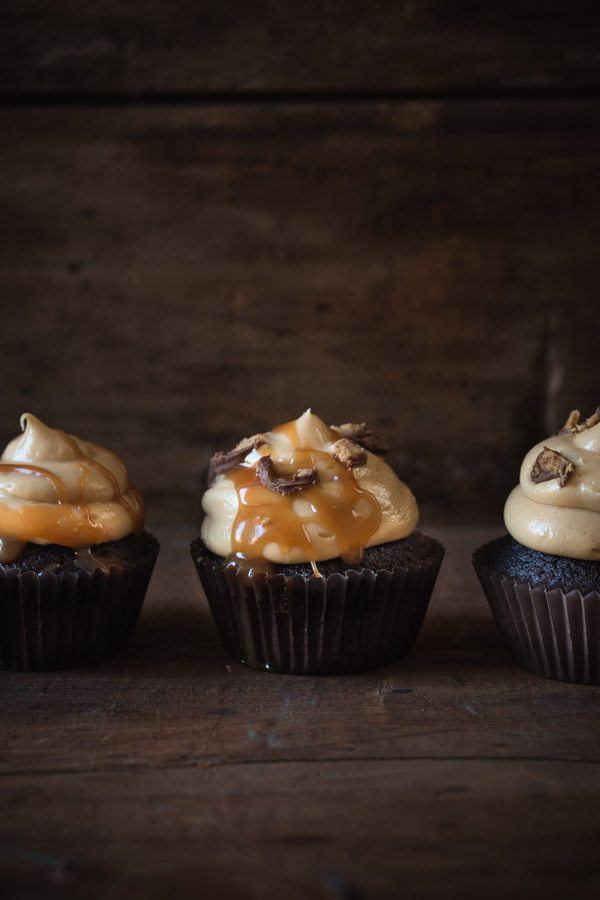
(75, 561)
(542, 580)
(308, 553)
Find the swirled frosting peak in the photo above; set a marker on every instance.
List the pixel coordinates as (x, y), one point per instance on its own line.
(556, 506)
(58, 489)
(305, 492)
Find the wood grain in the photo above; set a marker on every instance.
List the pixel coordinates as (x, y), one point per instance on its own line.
(455, 696)
(174, 770)
(173, 278)
(312, 830)
(150, 46)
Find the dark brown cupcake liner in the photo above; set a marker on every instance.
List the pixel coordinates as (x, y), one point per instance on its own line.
(66, 619)
(549, 629)
(315, 625)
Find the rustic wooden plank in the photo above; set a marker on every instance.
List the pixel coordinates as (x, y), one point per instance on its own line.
(172, 770)
(437, 829)
(178, 277)
(175, 699)
(155, 46)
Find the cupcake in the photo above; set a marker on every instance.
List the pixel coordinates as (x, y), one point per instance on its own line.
(308, 553)
(75, 561)
(542, 579)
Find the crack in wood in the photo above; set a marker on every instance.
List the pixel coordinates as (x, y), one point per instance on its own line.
(217, 764)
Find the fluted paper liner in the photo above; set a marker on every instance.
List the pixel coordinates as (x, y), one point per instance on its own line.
(67, 619)
(315, 625)
(551, 630)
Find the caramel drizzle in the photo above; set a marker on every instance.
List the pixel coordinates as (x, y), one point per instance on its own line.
(136, 515)
(336, 507)
(38, 471)
(48, 526)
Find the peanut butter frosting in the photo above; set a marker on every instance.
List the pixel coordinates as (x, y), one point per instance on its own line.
(556, 506)
(305, 492)
(58, 489)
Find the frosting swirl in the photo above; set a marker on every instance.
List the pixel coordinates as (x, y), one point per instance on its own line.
(58, 489)
(560, 515)
(353, 501)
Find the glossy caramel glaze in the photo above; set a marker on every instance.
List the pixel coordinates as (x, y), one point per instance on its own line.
(310, 504)
(335, 506)
(66, 523)
(71, 515)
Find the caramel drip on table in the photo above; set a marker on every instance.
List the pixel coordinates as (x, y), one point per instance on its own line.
(336, 506)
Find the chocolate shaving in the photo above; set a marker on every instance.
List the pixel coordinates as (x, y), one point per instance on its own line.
(284, 484)
(349, 453)
(574, 425)
(550, 465)
(223, 461)
(360, 434)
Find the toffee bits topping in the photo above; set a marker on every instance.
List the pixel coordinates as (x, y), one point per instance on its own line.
(363, 436)
(550, 465)
(349, 453)
(574, 425)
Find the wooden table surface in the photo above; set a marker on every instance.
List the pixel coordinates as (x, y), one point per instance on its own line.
(172, 771)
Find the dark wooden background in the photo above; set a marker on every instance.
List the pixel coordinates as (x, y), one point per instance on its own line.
(213, 215)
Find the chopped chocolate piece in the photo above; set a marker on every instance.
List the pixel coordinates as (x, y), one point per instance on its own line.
(549, 465)
(573, 425)
(349, 453)
(284, 484)
(360, 434)
(223, 461)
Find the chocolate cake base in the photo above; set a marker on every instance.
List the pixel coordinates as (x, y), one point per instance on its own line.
(343, 620)
(511, 558)
(546, 607)
(61, 607)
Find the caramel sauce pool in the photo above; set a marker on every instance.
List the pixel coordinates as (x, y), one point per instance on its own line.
(336, 508)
